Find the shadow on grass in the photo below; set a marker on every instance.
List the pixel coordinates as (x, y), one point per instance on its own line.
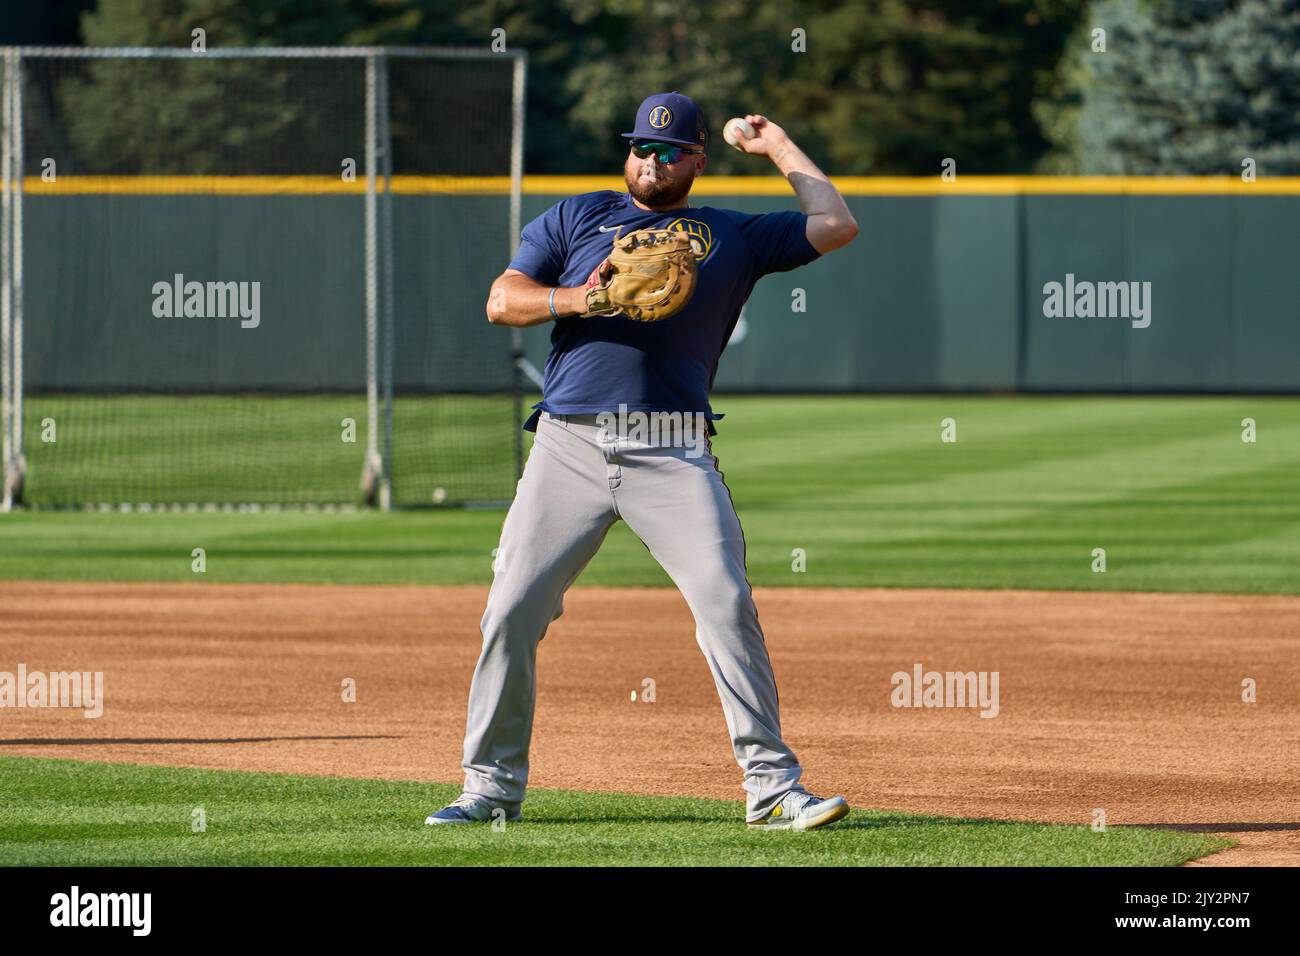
(92, 741)
(1214, 827)
(851, 822)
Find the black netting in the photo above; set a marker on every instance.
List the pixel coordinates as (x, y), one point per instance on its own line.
(144, 176)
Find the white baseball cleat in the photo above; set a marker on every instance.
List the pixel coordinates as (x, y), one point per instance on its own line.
(466, 809)
(800, 810)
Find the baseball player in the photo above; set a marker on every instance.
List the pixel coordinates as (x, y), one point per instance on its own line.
(594, 462)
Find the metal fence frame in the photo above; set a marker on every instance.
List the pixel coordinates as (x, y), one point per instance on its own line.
(377, 468)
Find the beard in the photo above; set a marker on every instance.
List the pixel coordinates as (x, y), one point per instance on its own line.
(663, 192)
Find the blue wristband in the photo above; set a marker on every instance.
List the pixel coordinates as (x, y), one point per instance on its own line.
(551, 303)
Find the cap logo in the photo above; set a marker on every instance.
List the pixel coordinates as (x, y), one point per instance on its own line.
(660, 117)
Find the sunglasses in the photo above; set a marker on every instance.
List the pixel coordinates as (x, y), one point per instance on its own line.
(666, 153)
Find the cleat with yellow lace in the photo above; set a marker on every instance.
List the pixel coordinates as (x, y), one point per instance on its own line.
(800, 810)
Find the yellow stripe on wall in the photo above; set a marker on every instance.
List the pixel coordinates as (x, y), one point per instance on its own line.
(705, 186)
(255, 185)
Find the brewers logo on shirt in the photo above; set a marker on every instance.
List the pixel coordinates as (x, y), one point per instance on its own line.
(699, 233)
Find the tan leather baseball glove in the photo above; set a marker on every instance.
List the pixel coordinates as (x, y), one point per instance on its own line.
(649, 276)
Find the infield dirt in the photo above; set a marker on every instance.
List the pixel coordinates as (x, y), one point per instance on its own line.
(1131, 704)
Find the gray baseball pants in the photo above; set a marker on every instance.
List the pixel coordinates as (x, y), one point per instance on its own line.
(583, 475)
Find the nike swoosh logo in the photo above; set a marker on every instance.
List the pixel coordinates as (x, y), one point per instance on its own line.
(610, 228)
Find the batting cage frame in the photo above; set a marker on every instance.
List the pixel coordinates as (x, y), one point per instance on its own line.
(376, 464)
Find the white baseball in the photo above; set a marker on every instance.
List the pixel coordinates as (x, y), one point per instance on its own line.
(736, 130)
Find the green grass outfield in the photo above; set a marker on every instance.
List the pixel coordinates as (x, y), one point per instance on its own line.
(281, 449)
(862, 484)
(65, 812)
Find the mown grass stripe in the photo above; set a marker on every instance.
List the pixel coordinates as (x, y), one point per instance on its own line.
(71, 813)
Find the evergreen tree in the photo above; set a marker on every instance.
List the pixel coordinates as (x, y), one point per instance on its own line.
(894, 87)
(867, 86)
(1194, 87)
(159, 116)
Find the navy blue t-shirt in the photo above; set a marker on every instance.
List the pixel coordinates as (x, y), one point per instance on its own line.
(596, 364)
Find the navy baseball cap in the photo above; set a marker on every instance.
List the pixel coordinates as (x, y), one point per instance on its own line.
(670, 118)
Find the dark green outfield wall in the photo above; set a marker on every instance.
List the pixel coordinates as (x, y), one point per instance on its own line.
(1225, 285)
(92, 261)
(937, 293)
(946, 292)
